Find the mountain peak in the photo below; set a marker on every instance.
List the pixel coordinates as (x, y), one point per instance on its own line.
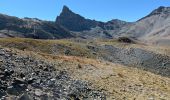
(73, 21)
(66, 9)
(160, 10)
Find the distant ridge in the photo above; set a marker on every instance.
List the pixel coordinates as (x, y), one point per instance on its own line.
(153, 27)
(31, 28)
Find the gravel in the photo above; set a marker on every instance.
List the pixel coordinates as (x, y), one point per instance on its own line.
(136, 57)
(23, 77)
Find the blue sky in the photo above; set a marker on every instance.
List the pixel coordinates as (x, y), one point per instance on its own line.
(103, 10)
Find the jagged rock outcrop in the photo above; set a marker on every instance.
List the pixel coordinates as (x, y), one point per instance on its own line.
(74, 22)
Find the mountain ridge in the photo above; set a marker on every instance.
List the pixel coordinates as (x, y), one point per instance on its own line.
(68, 17)
(31, 28)
(71, 25)
(152, 28)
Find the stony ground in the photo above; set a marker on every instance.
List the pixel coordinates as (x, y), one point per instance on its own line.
(25, 77)
(118, 82)
(83, 70)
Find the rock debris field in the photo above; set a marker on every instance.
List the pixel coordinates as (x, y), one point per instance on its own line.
(27, 78)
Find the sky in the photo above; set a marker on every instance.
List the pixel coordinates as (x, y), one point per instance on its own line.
(102, 10)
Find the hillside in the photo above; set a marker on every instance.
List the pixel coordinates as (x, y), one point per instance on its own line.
(152, 59)
(37, 75)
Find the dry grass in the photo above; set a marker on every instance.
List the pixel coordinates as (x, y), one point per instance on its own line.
(117, 81)
(47, 46)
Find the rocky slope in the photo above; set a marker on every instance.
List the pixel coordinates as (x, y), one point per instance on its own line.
(27, 75)
(132, 55)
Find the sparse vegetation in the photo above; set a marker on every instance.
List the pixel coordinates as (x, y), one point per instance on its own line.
(88, 61)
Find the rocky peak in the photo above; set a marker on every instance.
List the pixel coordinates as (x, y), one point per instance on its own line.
(66, 9)
(161, 10)
(158, 11)
(73, 21)
(66, 12)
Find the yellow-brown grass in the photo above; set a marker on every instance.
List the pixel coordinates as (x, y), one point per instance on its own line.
(118, 81)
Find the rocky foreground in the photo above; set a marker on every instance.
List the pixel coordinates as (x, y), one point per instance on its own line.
(27, 75)
(24, 77)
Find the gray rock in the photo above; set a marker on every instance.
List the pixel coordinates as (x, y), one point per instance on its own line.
(25, 96)
(38, 92)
